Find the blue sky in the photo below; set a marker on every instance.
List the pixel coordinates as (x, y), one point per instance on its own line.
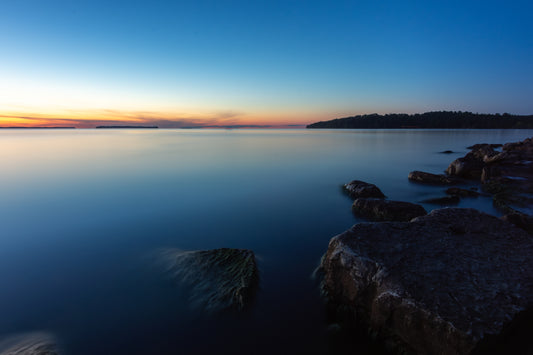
(260, 62)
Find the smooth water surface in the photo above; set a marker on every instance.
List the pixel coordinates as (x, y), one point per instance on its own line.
(83, 212)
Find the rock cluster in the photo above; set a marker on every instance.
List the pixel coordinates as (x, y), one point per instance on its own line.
(444, 283)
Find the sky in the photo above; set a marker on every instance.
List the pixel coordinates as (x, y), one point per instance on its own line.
(273, 63)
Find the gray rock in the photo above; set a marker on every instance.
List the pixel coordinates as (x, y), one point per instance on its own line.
(445, 283)
(386, 210)
(218, 279)
(35, 343)
(357, 189)
(431, 179)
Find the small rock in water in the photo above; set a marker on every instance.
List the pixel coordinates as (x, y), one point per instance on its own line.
(218, 279)
(443, 201)
(447, 152)
(456, 191)
(431, 179)
(386, 210)
(36, 343)
(357, 189)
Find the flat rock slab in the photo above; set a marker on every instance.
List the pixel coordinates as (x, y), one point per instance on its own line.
(386, 210)
(456, 191)
(35, 343)
(357, 189)
(439, 284)
(430, 179)
(218, 279)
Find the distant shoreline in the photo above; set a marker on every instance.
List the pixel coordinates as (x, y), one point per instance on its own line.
(430, 120)
(37, 127)
(128, 127)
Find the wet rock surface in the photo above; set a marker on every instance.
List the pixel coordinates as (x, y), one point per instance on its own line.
(456, 191)
(430, 179)
(446, 283)
(36, 343)
(217, 279)
(357, 189)
(508, 174)
(443, 201)
(386, 210)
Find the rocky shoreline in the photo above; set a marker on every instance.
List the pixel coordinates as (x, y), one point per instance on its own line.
(454, 281)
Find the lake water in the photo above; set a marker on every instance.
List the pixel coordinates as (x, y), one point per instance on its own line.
(82, 213)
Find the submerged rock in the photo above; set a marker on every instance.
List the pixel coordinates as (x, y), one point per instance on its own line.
(36, 343)
(443, 201)
(357, 189)
(445, 283)
(431, 179)
(218, 279)
(456, 191)
(386, 210)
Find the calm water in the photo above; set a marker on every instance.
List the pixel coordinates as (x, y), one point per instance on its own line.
(82, 212)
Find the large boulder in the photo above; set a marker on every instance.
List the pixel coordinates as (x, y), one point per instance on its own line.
(429, 178)
(386, 210)
(446, 283)
(471, 165)
(217, 279)
(35, 343)
(357, 189)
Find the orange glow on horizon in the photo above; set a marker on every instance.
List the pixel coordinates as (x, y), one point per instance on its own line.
(93, 118)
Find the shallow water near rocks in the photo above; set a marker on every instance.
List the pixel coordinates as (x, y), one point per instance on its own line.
(82, 212)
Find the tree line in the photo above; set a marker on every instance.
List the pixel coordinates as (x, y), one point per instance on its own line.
(436, 119)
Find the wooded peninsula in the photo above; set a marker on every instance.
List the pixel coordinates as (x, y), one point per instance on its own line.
(436, 119)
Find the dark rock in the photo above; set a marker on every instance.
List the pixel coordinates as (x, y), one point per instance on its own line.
(443, 201)
(471, 165)
(218, 279)
(357, 189)
(521, 220)
(386, 210)
(447, 152)
(441, 284)
(456, 191)
(431, 179)
(36, 343)
(481, 145)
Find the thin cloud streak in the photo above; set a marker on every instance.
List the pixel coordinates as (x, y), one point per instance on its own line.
(110, 117)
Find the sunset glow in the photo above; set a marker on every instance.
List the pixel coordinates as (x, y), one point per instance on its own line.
(274, 64)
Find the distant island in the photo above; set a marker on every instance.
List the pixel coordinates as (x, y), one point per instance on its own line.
(127, 127)
(37, 127)
(438, 119)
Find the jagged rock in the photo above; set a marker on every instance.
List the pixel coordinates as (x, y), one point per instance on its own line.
(386, 210)
(218, 279)
(471, 165)
(443, 201)
(445, 283)
(428, 178)
(357, 189)
(456, 191)
(36, 343)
